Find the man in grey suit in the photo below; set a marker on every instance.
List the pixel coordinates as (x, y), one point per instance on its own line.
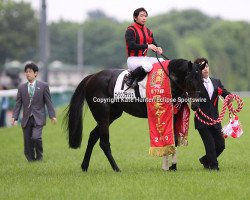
(32, 97)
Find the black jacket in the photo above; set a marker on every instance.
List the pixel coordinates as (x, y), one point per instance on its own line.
(210, 107)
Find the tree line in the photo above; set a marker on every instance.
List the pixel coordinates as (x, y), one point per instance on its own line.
(182, 34)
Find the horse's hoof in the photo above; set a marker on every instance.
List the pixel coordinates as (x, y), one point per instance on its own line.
(117, 170)
(165, 168)
(173, 167)
(84, 170)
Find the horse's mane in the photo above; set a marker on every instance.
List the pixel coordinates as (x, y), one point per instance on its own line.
(185, 75)
(177, 70)
(178, 66)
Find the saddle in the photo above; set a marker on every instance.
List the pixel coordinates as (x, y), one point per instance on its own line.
(122, 90)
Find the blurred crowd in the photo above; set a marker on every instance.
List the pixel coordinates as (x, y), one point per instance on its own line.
(4, 106)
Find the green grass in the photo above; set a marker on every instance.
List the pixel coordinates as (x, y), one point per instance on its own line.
(59, 176)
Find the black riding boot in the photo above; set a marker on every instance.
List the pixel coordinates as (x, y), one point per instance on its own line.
(133, 77)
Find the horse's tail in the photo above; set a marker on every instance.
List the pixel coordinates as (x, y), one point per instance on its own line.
(73, 116)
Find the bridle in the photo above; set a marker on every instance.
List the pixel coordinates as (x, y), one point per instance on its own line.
(184, 92)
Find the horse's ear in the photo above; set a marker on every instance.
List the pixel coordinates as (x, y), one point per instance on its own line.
(190, 66)
(202, 66)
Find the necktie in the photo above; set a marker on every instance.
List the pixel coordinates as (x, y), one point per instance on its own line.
(31, 90)
(208, 88)
(206, 84)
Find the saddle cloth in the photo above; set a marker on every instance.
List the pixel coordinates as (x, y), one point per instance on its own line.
(121, 90)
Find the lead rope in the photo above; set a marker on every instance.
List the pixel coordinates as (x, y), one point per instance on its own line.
(226, 105)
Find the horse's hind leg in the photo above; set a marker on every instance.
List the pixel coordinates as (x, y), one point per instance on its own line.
(105, 145)
(104, 138)
(104, 115)
(93, 138)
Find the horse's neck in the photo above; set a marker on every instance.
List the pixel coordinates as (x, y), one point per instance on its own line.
(177, 72)
(177, 83)
(176, 91)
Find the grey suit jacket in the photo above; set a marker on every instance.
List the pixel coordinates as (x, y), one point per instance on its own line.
(34, 106)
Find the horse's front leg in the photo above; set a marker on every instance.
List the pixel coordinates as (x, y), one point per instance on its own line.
(93, 138)
(165, 164)
(173, 167)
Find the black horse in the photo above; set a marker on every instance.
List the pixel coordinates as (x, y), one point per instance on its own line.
(185, 79)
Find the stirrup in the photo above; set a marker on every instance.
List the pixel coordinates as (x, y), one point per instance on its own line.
(133, 85)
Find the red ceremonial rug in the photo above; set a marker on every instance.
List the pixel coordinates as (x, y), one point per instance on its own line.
(160, 111)
(181, 124)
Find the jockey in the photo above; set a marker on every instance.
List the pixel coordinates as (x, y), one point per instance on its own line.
(138, 40)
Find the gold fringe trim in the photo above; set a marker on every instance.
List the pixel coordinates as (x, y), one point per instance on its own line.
(182, 141)
(162, 151)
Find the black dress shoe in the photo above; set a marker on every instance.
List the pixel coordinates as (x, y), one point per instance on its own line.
(205, 165)
(39, 159)
(212, 168)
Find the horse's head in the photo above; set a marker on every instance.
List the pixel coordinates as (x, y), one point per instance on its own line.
(186, 80)
(193, 82)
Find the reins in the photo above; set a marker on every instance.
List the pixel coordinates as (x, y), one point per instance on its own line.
(184, 91)
(226, 103)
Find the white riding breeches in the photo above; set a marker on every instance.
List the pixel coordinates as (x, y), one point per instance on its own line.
(146, 62)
